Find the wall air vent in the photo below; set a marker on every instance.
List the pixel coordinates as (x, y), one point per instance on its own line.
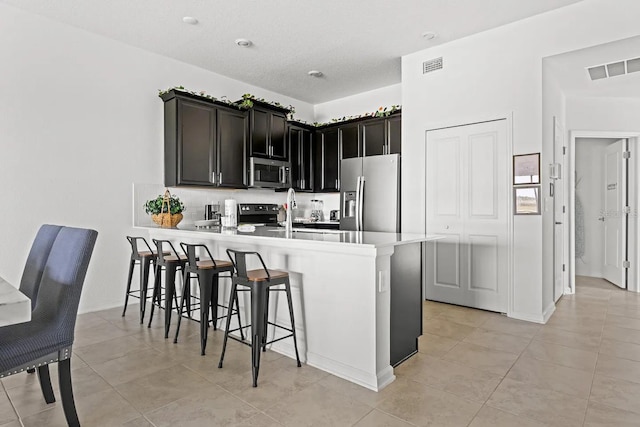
(431, 65)
(613, 69)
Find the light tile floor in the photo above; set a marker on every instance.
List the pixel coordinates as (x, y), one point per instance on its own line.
(474, 369)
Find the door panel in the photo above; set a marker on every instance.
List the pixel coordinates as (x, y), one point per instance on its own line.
(196, 137)
(483, 199)
(447, 254)
(615, 220)
(560, 252)
(467, 199)
(232, 140)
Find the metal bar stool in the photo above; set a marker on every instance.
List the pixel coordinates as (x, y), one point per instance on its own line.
(207, 272)
(143, 258)
(260, 283)
(171, 264)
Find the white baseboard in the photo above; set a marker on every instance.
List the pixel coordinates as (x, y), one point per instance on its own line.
(546, 314)
(528, 317)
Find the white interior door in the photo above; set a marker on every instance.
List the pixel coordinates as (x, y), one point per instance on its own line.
(615, 218)
(467, 200)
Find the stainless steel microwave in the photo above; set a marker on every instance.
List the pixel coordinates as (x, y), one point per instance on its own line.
(267, 173)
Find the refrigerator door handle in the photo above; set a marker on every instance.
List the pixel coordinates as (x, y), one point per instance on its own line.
(357, 212)
(361, 204)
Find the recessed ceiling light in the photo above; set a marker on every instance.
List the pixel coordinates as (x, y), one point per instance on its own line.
(189, 20)
(243, 42)
(315, 73)
(429, 35)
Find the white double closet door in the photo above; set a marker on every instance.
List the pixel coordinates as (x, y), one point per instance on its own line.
(468, 177)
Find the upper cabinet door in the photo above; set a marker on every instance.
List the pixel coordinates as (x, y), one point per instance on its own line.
(373, 137)
(196, 141)
(232, 138)
(296, 164)
(330, 161)
(277, 136)
(306, 159)
(394, 135)
(349, 137)
(260, 133)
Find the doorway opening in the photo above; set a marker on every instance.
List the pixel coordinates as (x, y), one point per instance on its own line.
(603, 192)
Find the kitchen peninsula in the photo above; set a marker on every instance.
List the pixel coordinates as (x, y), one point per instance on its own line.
(341, 283)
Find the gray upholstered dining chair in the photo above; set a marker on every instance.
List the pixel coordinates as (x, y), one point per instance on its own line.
(36, 260)
(48, 337)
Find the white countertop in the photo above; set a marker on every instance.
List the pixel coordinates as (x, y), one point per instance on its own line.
(15, 307)
(278, 236)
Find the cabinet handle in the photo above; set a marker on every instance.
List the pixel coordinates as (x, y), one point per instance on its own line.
(213, 177)
(220, 179)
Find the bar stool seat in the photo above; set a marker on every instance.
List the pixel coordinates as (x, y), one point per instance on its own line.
(260, 282)
(207, 271)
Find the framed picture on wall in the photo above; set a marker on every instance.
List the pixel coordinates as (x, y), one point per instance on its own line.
(526, 169)
(526, 200)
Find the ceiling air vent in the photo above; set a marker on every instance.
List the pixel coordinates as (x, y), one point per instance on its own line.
(431, 65)
(618, 68)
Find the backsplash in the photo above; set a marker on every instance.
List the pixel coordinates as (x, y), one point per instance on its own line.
(195, 199)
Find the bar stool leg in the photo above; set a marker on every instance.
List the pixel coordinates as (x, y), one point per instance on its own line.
(126, 295)
(155, 298)
(237, 313)
(205, 280)
(258, 297)
(214, 301)
(293, 325)
(232, 296)
(144, 279)
(185, 283)
(266, 320)
(170, 289)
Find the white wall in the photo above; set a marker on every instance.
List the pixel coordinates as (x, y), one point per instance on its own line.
(80, 121)
(601, 114)
(497, 73)
(366, 102)
(589, 189)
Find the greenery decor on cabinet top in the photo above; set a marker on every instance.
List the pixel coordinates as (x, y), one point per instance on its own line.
(248, 100)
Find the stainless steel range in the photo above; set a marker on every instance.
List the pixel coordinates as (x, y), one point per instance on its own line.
(258, 213)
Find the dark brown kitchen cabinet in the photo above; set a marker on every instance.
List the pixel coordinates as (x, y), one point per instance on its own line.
(268, 133)
(381, 136)
(232, 140)
(300, 146)
(326, 159)
(350, 141)
(204, 142)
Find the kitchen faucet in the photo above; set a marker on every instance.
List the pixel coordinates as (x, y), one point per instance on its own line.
(291, 204)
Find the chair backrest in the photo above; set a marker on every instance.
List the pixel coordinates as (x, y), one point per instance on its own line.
(190, 250)
(62, 281)
(239, 261)
(36, 260)
(135, 242)
(160, 245)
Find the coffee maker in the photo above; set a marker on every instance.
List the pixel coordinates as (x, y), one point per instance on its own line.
(212, 213)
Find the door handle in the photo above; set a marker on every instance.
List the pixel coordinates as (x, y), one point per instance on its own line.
(220, 179)
(601, 218)
(558, 223)
(213, 177)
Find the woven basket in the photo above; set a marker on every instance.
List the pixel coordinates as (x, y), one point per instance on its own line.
(166, 220)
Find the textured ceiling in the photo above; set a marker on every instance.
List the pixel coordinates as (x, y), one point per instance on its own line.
(570, 70)
(357, 44)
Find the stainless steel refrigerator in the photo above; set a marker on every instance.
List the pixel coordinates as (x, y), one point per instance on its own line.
(370, 193)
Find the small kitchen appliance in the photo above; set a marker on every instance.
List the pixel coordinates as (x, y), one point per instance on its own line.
(317, 210)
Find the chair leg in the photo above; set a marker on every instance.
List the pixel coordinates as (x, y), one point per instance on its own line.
(144, 280)
(258, 297)
(156, 292)
(237, 313)
(214, 301)
(266, 320)
(66, 393)
(45, 384)
(205, 280)
(293, 324)
(185, 283)
(169, 291)
(126, 295)
(234, 295)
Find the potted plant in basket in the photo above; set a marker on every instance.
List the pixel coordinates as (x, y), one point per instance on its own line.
(166, 210)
